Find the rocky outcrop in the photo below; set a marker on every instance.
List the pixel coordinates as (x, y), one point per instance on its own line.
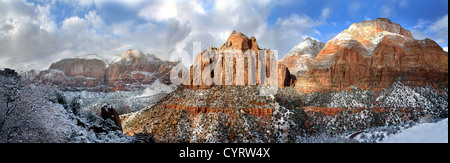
(9, 73)
(237, 62)
(136, 70)
(132, 71)
(73, 74)
(372, 55)
(108, 112)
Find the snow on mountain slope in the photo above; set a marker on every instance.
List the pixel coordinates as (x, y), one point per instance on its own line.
(122, 101)
(308, 46)
(299, 58)
(423, 133)
(156, 88)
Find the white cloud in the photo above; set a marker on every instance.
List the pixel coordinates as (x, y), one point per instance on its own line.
(160, 10)
(418, 35)
(436, 30)
(100, 3)
(421, 24)
(288, 32)
(25, 30)
(325, 13)
(386, 11)
(166, 26)
(45, 19)
(354, 7)
(95, 20)
(30, 38)
(403, 4)
(439, 29)
(74, 24)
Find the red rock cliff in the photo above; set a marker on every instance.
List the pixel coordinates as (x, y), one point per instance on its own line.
(240, 43)
(372, 55)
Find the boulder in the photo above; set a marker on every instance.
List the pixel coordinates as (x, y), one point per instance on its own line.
(108, 112)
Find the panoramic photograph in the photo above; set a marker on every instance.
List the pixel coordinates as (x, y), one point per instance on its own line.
(223, 71)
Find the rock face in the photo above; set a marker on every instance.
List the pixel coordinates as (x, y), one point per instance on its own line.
(359, 79)
(81, 67)
(229, 114)
(133, 71)
(372, 55)
(78, 72)
(299, 58)
(238, 62)
(108, 112)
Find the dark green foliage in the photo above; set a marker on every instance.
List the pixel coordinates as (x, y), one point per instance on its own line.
(288, 98)
(75, 105)
(58, 98)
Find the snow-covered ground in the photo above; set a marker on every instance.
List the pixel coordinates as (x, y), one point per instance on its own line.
(422, 133)
(123, 101)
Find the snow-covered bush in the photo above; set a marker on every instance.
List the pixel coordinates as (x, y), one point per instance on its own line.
(323, 138)
(352, 98)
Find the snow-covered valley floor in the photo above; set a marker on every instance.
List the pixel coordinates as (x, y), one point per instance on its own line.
(422, 133)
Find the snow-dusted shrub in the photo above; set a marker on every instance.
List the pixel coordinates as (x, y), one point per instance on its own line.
(323, 138)
(354, 97)
(426, 99)
(28, 115)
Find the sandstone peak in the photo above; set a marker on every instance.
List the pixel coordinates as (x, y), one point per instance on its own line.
(236, 41)
(299, 58)
(134, 53)
(308, 46)
(371, 55)
(384, 19)
(373, 27)
(239, 41)
(369, 34)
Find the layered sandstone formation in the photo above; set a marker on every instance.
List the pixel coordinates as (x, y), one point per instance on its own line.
(229, 113)
(238, 62)
(132, 71)
(372, 55)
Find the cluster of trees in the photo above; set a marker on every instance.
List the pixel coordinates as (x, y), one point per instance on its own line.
(41, 113)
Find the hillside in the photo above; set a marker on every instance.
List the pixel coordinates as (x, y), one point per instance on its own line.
(339, 93)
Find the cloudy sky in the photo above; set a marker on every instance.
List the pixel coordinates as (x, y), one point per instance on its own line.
(35, 33)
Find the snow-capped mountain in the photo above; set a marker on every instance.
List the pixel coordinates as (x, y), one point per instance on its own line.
(299, 58)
